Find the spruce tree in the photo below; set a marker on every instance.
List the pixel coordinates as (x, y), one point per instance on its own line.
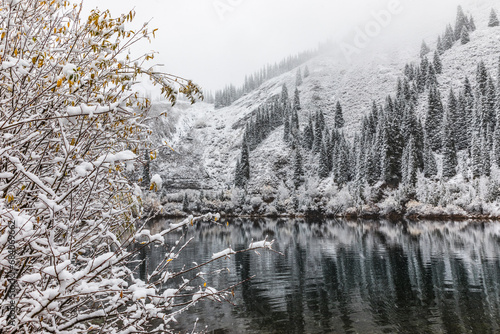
(323, 170)
(482, 77)
(342, 162)
(491, 103)
(438, 65)
(431, 77)
(243, 166)
(371, 164)
(424, 49)
(434, 119)
(449, 38)
(496, 145)
(319, 127)
(440, 46)
(461, 23)
(476, 156)
(409, 165)
(306, 72)
(430, 165)
(450, 161)
(298, 168)
(298, 78)
(339, 116)
(284, 97)
(462, 138)
(465, 37)
(472, 24)
(493, 19)
(452, 111)
(308, 136)
(486, 158)
(296, 100)
(287, 128)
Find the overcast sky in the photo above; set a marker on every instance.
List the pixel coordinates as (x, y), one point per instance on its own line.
(215, 42)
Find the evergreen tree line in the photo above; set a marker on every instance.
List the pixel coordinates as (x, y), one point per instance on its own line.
(394, 144)
(231, 93)
(329, 147)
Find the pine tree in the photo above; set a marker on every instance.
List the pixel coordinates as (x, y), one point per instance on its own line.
(284, 97)
(493, 19)
(306, 72)
(243, 166)
(294, 117)
(424, 49)
(482, 77)
(452, 111)
(461, 23)
(287, 128)
(430, 165)
(450, 161)
(491, 103)
(339, 116)
(434, 119)
(496, 144)
(462, 138)
(486, 151)
(440, 46)
(449, 38)
(432, 77)
(498, 91)
(298, 79)
(438, 65)
(371, 164)
(472, 24)
(476, 156)
(319, 127)
(422, 74)
(342, 162)
(465, 37)
(323, 170)
(409, 164)
(296, 100)
(308, 136)
(298, 168)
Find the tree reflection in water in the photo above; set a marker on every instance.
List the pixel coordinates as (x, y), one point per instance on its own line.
(350, 277)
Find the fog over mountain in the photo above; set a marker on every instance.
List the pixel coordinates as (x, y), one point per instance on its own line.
(218, 42)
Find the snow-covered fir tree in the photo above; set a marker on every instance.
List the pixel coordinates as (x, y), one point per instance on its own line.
(339, 116)
(493, 19)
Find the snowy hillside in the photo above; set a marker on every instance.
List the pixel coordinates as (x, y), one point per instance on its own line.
(206, 142)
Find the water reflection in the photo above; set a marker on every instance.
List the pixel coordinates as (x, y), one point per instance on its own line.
(345, 277)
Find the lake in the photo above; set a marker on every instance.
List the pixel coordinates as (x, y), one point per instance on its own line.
(340, 276)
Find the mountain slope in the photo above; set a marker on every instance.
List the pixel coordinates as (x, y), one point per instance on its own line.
(207, 142)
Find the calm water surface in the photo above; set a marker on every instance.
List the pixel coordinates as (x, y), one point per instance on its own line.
(348, 277)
